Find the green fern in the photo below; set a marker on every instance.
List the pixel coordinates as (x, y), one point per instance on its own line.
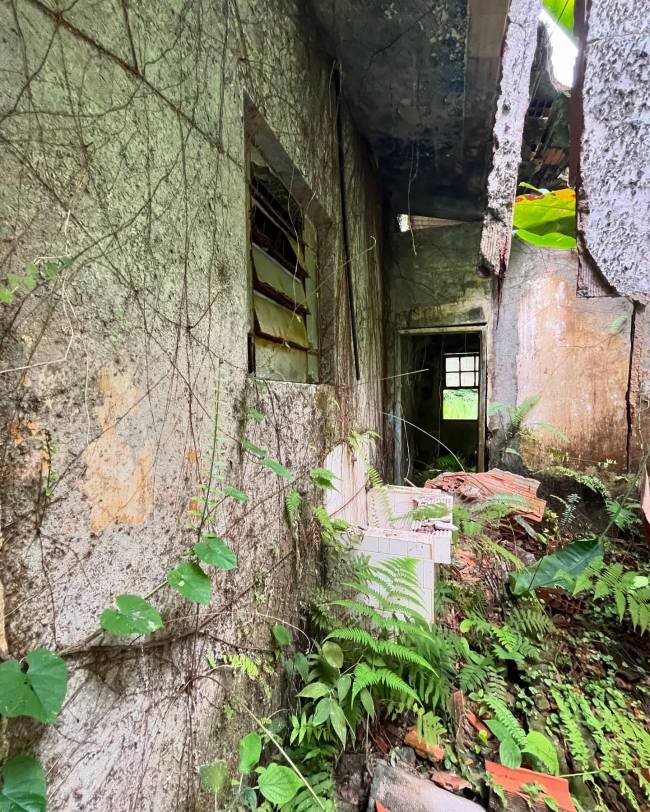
(568, 712)
(365, 677)
(624, 515)
(292, 503)
(629, 590)
(504, 716)
(387, 648)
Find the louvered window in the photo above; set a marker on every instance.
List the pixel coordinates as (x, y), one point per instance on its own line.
(283, 260)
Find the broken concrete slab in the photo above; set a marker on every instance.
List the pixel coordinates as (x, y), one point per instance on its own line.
(403, 791)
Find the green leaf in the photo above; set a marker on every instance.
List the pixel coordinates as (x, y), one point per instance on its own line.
(282, 635)
(255, 415)
(248, 798)
(552, 239)
(619, 597)
(315, 690)
(337, 718)
(214, 551)
(332, 653)
(279, 784)
(558, 569)
(366, 700)
(255, 450)
(277, 468)
(322, 477)
(322, 711)
(541, 748)
(38, 691)
(498, 728)
(132, 615)
(343, 686)
(509, 753)
(236, 494)
(562, 11)
(548, 219)
(50, 270)
(6, 296)
(215, 776)
(250, 750)
(301, 664)
(190, 580)
(23, 788)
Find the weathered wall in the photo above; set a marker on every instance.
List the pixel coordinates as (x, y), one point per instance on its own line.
(571, 351)
(123, 150)
(614, 172)
(434, 280)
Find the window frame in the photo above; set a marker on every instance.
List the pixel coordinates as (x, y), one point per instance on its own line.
(304, 304)
(475, 386)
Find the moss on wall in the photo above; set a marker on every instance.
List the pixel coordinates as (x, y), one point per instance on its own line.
(123, 150)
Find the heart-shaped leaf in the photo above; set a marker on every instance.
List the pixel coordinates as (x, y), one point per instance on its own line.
(23, 788)
(131, 615)
(190, 580)
(281, 634)
(250, 750)
(38, 691)
(278, 784)
(214, 551)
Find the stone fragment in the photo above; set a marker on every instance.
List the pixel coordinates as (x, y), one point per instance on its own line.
(401, 790)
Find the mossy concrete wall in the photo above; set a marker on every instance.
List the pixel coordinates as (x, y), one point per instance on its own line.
(573, 352)
(123, 149)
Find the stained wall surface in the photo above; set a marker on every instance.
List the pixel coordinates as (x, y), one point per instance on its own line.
(573, 352)
(123, 152)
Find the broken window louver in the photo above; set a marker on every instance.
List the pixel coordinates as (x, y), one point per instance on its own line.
(283, 270)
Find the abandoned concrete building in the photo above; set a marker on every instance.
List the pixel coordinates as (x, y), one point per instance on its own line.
(235, 233)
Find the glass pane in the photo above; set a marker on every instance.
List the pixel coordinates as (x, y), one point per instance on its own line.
(451, 363)
(467, 362)
(460, 404)
(275, 321)
(271, 273)
(468, 378)
(452, 379)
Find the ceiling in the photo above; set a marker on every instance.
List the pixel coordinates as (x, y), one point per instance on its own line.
(421, 79)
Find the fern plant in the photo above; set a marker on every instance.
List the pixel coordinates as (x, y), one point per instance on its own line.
(628, 590)
(605, 740)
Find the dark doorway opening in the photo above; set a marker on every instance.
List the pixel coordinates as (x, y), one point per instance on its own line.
(440, 403)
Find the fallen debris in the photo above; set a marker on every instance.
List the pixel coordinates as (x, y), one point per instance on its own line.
(401, 790)
(433, 752)
(449, 781)
(517, 783)
(485, 485)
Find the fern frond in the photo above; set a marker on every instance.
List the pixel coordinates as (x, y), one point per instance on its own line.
(385, 648)
(504, 715)
(366, 677)
(572, 733)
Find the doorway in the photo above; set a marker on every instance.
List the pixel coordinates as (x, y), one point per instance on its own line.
(440, 402)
